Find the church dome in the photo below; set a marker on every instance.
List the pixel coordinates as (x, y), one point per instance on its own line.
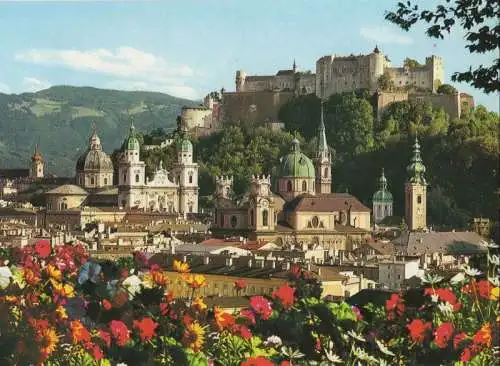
(131, 142)
(382, 195)
(94, 158)
(184, 145)
(296, 164)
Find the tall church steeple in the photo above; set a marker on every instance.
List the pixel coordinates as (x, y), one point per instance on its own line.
(323, 159)
(416, 191)
(36, 167)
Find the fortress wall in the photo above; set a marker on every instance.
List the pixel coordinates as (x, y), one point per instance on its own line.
(384, 99)
(450, 103)
(253, 107)
(421, 77)
(197, 117)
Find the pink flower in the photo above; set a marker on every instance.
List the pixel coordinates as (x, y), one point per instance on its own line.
(261, 306)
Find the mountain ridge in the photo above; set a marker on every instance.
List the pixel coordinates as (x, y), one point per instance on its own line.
(60, 120)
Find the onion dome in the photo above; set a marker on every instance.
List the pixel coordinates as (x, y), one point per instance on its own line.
(131, 142)
(296, 164)
(382, 195)
(94, 158)
(37, 156)
(416, 168)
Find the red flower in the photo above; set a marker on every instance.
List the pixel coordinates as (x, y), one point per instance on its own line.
(395, 303)
(146, 328)
(285, 363)
(106, 304)
(417, 330)
(261, 306)
(120, 332)
(466, 355)
(295, 271)
(483, 336)
(257, 361)
(43, 248)
(286, 295)
(78, 332)
(443, 334)
(248, 315)
(458, 339)
(444, 294)
(222, 319)
(97, 352)
(239, 285)
(243, 331)
(106, 337)
(480, 289)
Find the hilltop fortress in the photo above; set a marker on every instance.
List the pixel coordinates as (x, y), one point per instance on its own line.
(258, 98)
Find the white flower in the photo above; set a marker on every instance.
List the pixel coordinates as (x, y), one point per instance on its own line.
(495, 281)
(494, 259)
(383, 348)
(434, 298)
(356, 336)
(490, 245)
(458, 278)
(363, 356)
(132, 284)
(6, 262)
(5, 276)
(432, 278)
(445, 308)
(332, 357)
(472, 272)
(382, 362)
(273, 341)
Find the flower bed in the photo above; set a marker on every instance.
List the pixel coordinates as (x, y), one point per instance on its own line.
(59, 308)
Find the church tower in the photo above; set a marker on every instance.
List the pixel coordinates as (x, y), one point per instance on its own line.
(416, 191)
(186, 174)
(382, 200)
(323, 160)
(131, 172)
(261, 215)
(36, 167)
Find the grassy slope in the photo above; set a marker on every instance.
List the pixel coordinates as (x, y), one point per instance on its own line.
(60, 118)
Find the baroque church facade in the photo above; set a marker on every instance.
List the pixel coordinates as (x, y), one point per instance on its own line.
(296, 206)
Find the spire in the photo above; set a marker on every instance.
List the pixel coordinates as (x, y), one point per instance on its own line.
(416, 168)
(94, 140)
(322, 144)
(382, 181)
(294, 66)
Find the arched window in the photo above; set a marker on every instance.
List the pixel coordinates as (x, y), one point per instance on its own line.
(92, 180)
(315, 221)
(137, 178)
(304, 186)
(265, 218)
(326, 173)
(251, 218)
(289, 186)
(191, 178)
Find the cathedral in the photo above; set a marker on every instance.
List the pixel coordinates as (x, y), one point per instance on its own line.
(297, 207)
(169, 192)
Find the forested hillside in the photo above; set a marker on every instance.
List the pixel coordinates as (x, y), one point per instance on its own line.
(60, 119)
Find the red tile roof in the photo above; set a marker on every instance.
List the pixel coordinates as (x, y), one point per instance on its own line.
(331, 202)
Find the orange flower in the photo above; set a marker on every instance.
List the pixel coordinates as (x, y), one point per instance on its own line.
(222, 319)
(181, 267)
(53, 272)
(159, 278)
(199, 305)
(78, 332)
(483, 336)
(47, 339)
(146, 328)
(194, 336)
(495, 293)
(285, 294)
(30, 276)
(195, 281)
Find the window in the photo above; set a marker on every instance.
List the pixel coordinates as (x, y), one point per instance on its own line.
(265, 218)
(124, 178)
(137, 178)
(221, 220)
(92, 180)
(399, 277)
(315, 221)
(326, 173)
(234, 221)
(289, 186)
(251, 218)
(191, 178)
(190, 208)
(419, 199)
(124, 203)
(304, 186)
(105, 181)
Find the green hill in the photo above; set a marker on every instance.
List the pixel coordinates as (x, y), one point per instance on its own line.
(60, 119)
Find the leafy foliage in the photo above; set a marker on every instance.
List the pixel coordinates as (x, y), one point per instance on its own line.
(447, 89)
(478, 18)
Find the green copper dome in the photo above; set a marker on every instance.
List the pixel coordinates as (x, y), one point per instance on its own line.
(184, 145)
(382, 195)
(296, 164)
(131, 142)
(416, 168)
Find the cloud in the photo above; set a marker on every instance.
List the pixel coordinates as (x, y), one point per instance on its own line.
(4, 88)
(31, 84)
(135, 68)
(384, 35)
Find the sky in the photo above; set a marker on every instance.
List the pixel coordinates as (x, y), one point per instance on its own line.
(191, 47)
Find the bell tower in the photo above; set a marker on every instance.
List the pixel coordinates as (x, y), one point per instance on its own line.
(36, 167)
(323, 160)
(261, 211)
(416, 191)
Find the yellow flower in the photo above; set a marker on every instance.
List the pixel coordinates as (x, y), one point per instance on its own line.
(54, 272)
(495, 293)
(195, 281)
(64, 290)
(199, 305)
(61, 313)
(194, 336)
(180, 267)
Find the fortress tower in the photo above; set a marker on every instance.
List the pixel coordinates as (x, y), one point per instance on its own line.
(240, 80)
(36, 166)
(261, 211)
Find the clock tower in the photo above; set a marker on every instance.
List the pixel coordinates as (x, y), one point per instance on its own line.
(261, 210)
(416, 192)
